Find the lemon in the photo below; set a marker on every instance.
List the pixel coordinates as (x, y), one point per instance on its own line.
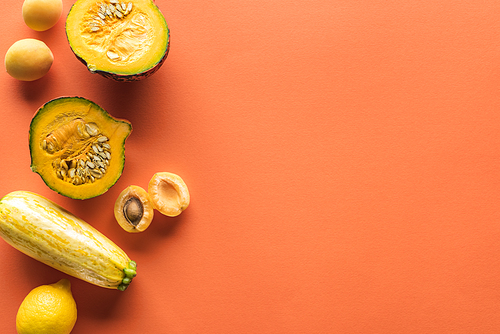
(47, 309)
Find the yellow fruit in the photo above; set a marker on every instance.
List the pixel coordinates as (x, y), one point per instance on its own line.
(41, 15)
(168, 193)
(47, 309)
(133, 209)
(28, 59)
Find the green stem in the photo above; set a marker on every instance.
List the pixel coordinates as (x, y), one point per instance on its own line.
(130, 273)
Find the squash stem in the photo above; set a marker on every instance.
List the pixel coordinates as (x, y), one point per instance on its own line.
(130, 273)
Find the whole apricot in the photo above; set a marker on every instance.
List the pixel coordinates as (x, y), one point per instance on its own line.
(41, 15)
(28, 59)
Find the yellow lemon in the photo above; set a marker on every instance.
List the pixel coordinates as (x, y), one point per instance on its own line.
(47, 309)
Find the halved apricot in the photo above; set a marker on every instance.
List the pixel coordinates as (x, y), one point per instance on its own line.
(133, 209)
(168, 193)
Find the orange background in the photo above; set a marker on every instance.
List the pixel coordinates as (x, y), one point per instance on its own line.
(342, 159)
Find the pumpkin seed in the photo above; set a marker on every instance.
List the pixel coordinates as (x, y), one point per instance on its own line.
(64, 165)
(92, 129)
(112, 55)
(96, 173)
(82, 132)
(50, 147)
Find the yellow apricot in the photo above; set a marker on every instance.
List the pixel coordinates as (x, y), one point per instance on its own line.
(41, 15)
(133, 209)
(168, 193)
(28, 59)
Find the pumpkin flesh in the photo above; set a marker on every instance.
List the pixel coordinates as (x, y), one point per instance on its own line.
(57, 144)
(125, 48)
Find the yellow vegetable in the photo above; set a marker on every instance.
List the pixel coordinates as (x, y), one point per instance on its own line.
(50, 234)
(47, 309)
(123, 41)
(76, 147)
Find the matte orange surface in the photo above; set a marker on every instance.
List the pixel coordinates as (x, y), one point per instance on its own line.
(342, 159)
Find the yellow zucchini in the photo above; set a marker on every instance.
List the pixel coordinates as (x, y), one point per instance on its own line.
(50, 234)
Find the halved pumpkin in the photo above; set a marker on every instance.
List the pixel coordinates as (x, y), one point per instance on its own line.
(125, 40)
(77, 147)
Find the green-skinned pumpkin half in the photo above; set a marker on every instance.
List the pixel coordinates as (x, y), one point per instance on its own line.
(76, 147)
(123, 41)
